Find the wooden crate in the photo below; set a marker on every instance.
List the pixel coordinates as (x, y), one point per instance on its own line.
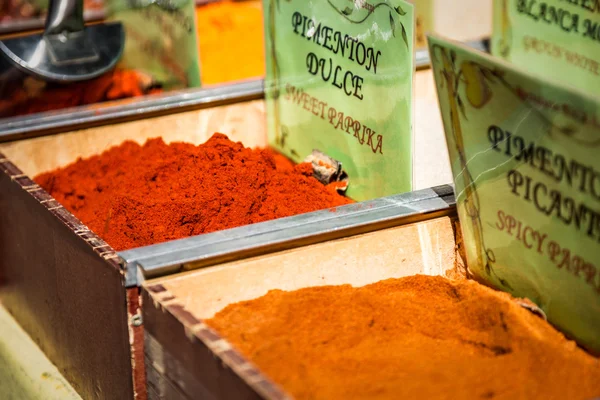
(61, 281)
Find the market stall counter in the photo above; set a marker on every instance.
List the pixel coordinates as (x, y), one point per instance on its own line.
(71, 291)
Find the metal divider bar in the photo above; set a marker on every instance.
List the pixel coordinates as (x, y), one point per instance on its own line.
(286, 233)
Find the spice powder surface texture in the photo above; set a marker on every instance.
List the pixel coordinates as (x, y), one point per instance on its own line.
(134, 195)
(412, 338)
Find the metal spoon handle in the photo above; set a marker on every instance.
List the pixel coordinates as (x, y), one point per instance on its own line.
(64, 16)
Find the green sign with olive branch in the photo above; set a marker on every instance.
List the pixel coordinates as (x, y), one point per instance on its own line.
(340, 80)
(160, 40)
(558, 39)
(524, 155)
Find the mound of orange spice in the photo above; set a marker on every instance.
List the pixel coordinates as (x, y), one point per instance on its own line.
(413, 338)
(134, 195)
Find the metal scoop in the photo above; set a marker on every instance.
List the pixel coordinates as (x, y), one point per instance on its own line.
(66, 52)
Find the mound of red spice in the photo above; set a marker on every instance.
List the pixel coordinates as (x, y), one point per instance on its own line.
(36, 96)
(419, 337)
(134, 195)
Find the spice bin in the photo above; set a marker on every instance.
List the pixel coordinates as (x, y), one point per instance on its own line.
(186, 359)
(234, 30)
(78, 298)
(65, 285)
(220, 26)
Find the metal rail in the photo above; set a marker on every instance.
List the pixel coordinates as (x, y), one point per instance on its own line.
(285, 233)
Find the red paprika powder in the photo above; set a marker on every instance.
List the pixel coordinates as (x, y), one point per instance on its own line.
(134, 195)
(36, 96)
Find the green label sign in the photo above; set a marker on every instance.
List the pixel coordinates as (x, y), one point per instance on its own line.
(558, 39)
(160, 39)
(340, 80)
(524, 155)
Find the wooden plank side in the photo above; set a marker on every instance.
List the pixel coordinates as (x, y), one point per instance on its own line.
(196, 371)
(159, 364)
(66, 291)
(136, 343)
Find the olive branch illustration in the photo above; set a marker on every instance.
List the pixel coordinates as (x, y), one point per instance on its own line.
(478, 78)
(398, 11)
(451, 80)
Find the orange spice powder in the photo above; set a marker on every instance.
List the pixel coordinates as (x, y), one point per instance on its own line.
(413, 338)
(231, 43)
